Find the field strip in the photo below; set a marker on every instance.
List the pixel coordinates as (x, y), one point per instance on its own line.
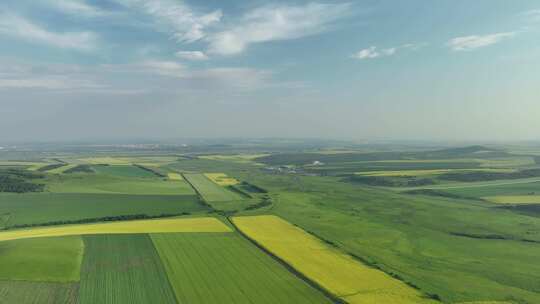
(62, 169)
(332, 270)
(222, 179)
(175, 176)
(202, 224)
(472, 184)
(514, 199)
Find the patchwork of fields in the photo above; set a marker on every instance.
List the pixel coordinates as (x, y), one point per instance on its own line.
(308, 232)
(338, 273)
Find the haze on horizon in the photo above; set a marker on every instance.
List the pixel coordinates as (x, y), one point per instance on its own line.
(419, 70)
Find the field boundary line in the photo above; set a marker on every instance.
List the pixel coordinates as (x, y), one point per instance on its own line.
(332, 297)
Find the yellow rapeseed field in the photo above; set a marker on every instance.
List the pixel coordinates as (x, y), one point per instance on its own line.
(335, 271)
(175, 176)
(202, 224)
(222, 179)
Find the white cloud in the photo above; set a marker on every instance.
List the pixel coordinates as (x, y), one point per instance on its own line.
(532, 15)
(192, 55)
(77, 7)
(18, 27)
(273, 23)
(184, 23)
(372, 53)
(469, 43)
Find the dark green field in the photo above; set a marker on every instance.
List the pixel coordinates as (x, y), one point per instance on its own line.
(49, 207)
(123, 269)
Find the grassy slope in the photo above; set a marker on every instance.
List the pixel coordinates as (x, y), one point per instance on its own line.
(46, 207)
(410, 236)
(44, 259)
(224, 268)
(101, 183)
(37, 293)
(123, 269)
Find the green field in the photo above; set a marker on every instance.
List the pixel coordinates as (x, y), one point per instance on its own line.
(210, 191)
(123, 269)
(21, 292)
(43, 259)
(224, 268)
(102, 183)
(48, 207)
(123, 171)
(497, 189)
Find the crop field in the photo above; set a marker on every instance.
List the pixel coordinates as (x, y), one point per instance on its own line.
(210, 191)
(106, 161)
(429, 172)
(41, 259)
(200, 224)
(30, 208)
(175, 176)
(331, 269)
(514, 199)
(238, 158)
(224, 268)
(222, 179)
(510, 188)
(62, 169)
(123, 171)
(107, 184)
(123, 269)
(22, 292)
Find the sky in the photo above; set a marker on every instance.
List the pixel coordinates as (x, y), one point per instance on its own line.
(456, 70)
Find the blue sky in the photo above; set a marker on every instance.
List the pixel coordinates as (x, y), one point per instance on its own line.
(386, 69)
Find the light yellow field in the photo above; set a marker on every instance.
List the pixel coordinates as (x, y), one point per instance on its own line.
(239, 158)
(175, 176)
(222, 179)
(202, 224)
(514, 199)
(106, 161)
(429, 172)
(62, 169)
(335, 271)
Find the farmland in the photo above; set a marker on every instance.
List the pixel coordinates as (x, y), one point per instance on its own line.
(123, 269)
(30, 209)
(199, 224)
(338, 273)
(210, 191)
(224, 268)
(221, 179)
(452, 225)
